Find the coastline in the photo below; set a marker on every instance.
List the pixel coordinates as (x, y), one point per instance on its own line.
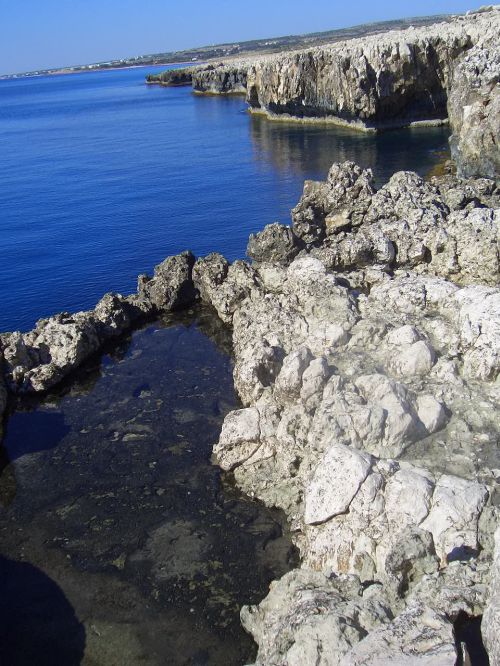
(366, 342)
(311, 326)
(64, 72)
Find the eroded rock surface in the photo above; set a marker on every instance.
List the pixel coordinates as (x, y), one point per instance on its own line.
(474, 110)
(39, 359)
(370, 392)
(367, 355)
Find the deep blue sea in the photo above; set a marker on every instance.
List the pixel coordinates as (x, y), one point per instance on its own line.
(101, 177)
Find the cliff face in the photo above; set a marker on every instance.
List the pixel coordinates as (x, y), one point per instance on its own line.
(221, 79)
(474, 110)
(390, 79)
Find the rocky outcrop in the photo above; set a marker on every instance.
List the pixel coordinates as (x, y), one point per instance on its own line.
(474, 110)
(221, 79)
(491, 619)
(378, 81)
(37, 360)
(407, 224)
(393, 79)
(172, 77)
(367, 378)
(366, 356)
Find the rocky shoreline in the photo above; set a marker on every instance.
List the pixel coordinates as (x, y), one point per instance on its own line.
(367, 354)
(366, 342)
(395, 79)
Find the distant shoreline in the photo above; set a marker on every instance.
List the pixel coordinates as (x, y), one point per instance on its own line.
(65, 72)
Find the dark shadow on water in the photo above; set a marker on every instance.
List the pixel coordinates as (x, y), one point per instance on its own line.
(33, 432)
(38, 625)
(310, 150)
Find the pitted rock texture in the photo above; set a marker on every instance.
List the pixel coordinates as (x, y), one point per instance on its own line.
(219, 79)
(387, 79)
(408, 223)
(491, 618)
(37, 360)
(370, 416)
(474, 110)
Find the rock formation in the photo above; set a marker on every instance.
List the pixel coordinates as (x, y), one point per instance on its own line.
(367, 348)
(393, 79)
(474, 110)
(367, 355)
(220, 79)
(37, 360)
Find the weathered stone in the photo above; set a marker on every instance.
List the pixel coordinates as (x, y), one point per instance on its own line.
(474, 109)
(310, 619)
(491, 618)
(335, 483)
(276, 243)
(418, 636)
(171, 287)
(454, 515)
(239, 439)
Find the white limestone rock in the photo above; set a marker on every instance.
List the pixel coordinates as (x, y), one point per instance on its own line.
(239, 438)
(336, 481)
(454, 515)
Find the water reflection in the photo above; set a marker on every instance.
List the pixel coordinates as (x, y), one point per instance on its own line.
(117, 500)
(304, 149)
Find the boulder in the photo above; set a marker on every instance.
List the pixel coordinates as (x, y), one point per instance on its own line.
(171, 287)
(276, 243)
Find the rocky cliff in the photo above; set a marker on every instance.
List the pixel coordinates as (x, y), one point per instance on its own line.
(474, 110)
(380, 81)
(221, 79)
(367, 356)
(384, 80)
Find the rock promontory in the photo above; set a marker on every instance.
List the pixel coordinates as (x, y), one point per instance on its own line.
(394, 79)
(367, 358)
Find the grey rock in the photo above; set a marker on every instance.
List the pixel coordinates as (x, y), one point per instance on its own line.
(339, 203)
(276, 243)
(491, 618)
(310, 619)
(474, 109)
(385, 80)
(419, 636)
(171, 286)
(406, 224)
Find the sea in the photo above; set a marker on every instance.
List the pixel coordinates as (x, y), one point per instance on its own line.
(103, 176)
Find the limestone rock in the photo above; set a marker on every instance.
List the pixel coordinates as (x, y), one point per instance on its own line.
(276, 243)
(474, 109)
(335, 483)
(310, 619)
(491, 617)
(239, 439)
(418, 636)
(454, 516)
(171, 287)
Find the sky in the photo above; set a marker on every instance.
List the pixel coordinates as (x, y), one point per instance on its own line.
(41, 34)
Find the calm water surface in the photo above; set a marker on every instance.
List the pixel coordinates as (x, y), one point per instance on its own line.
(101, 177)
(120, 544)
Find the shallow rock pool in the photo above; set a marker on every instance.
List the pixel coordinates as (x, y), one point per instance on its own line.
(120, 543)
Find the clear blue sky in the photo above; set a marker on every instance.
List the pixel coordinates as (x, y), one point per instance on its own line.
(36, 34)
